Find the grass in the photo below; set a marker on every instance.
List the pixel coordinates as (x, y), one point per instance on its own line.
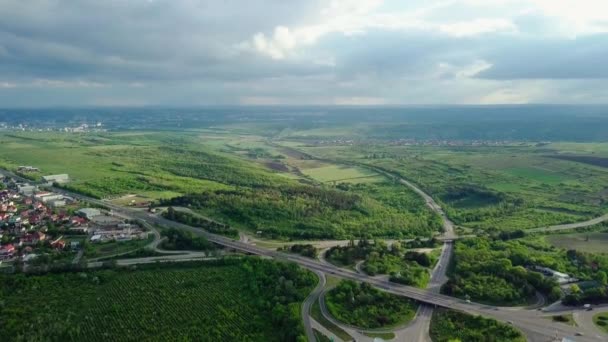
(383, 335)
(338, 173)
(601, 320)
(319, 337)
(108, 249)
(315, 312)
(594, 242)
(536, 174)
(491, 188)
(566, 319)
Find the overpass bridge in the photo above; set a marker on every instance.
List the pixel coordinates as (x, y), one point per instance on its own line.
(532, 323)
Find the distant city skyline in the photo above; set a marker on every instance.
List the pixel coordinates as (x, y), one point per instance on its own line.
(302, 52)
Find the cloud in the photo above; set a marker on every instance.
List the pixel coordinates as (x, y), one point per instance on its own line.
(580, 58)
(190, 52)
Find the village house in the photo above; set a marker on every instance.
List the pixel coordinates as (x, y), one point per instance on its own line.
(7, 251)
(59, 179)
(88, 213)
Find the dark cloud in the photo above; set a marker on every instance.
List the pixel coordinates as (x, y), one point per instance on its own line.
(138, 40)
(189, 51)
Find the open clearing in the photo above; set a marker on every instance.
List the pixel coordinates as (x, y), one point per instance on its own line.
(337, 173)
(597, 242)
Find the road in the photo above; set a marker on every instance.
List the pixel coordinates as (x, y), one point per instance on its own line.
(570, 225)
(308, 302)
(532, 324)
(527, 321)
(418, 331)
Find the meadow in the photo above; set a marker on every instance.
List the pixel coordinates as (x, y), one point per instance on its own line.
(593, 242)
(229, 300)
(240, 180)
(491, 188)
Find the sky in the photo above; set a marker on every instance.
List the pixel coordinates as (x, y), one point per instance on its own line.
(302, 52)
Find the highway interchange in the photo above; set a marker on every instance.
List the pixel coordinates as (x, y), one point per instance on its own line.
(533, 324)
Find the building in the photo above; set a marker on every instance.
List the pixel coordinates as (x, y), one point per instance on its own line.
(60, 179)
(89, 213)
(561, 278)
(51, 197)
(58, 203)
(27, 189)
(28, 169)
(7, 251)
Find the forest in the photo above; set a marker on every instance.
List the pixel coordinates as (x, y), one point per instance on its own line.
(306, 250)
(364, 306)
(246, 299)
(307, 212)
(177, 239)
(200, 222)
(403, 266)
(501, 272)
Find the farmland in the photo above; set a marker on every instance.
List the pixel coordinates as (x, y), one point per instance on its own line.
(231, 175)
(244, 300)
(593, 242)
(492, 188)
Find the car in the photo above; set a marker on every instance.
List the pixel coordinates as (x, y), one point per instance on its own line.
(468, 301)
(579, 334)
(510, 322)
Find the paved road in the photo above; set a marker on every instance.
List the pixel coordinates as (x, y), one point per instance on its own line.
(418, 331)
(535, 326)
(527, 321)
(308, 302)
(570, 225)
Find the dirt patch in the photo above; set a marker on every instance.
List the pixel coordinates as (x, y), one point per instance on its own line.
(293, 153)
(276, 166)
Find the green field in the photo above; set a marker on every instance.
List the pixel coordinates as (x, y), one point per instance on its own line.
(336, 173)
(236, 179)
(492, 188)
(232, 300)
(601, 320)
(449, 326)
(593, 242)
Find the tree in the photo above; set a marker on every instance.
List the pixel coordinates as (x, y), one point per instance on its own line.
(601, 278)
(575, 289)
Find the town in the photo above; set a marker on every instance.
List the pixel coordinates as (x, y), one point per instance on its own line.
(39, 225)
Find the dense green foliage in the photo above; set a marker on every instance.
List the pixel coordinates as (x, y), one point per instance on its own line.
(494, 271)
(177, 239)
(307, 212)
(200, 222)
(492, 188)
(452, 326)
(230, 300)
(304, 250)
(361, 305)
(404, 267)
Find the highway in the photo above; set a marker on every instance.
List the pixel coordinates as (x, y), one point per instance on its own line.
(531, 323)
